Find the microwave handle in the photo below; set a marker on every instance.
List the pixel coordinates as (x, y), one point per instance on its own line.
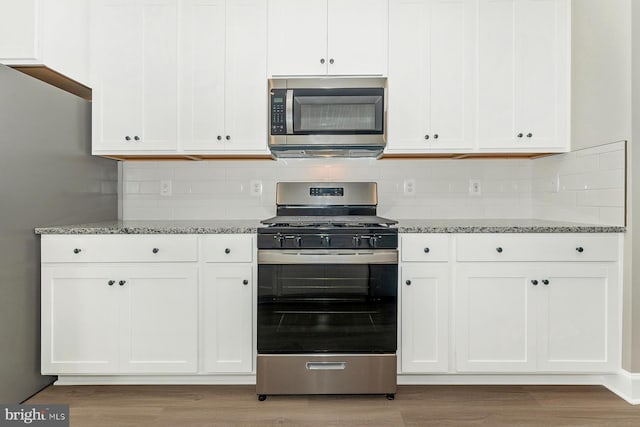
(289, 111)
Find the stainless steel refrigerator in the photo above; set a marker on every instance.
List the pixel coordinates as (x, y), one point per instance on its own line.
(47, 177)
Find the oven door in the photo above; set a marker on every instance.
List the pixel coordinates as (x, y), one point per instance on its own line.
(327, 301)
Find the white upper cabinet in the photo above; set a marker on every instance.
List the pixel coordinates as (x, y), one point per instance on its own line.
(223, 76)
(335, 37)
(432, 63)
(53, 34)
(180, 77)
(523, 75)
(134, 76)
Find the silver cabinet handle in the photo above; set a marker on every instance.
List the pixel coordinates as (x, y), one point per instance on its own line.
(326, 366)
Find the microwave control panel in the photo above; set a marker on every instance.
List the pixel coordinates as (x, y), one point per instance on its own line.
(278, 123)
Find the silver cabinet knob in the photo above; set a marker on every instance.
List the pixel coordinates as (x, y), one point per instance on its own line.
(77, 251)
(245, 282)
(545, 282)
(122, 282)
(322, 60)
(580, 249)
(227, 251)
(408, 282)
(228, 137)
(499, 249)
(427, 250)
(127, 138)
(155, 250)
(137, 138)
(426, 137)
(436, 136)
(331, 61)
(534, 282)
(520, 135)
(529, 135)
(111, 282)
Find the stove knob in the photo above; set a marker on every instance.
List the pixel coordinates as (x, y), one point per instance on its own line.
(356, 241)
(279, 240)
(373, 241)
(326, 240)
(298, 241)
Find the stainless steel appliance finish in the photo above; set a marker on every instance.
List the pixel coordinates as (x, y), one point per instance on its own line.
(328, 117)
(326, 374)
(327, 293)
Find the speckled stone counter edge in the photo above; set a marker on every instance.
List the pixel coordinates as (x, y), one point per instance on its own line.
(412, 226)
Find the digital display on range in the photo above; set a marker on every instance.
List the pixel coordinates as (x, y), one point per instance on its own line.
(334, 192)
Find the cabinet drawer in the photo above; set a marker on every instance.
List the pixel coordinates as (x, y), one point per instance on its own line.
(425, 247)
(228, 248)
(119, 248)
(537, 247)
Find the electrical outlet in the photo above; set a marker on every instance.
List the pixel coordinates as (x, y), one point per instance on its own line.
(255, 187)
(475, 187)
(409, 187)
(165, 188)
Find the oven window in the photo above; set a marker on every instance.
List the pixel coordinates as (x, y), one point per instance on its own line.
(314, 308)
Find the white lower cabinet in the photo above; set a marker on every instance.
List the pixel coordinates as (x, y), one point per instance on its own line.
(119, 319)
(228, 318)
(228, 303)
(424, 303)
(424, 320)
(536, 317)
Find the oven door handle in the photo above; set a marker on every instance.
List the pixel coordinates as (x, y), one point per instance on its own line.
(320, 256)
(326, 366)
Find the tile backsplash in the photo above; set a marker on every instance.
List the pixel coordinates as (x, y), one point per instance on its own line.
(591, 186)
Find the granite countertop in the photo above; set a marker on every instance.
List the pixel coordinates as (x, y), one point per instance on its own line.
(404, 226)
(156, 227)
(501, 226)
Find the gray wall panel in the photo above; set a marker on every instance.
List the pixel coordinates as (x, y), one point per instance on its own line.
(47, 177)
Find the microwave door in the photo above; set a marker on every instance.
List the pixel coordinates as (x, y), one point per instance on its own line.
(326, 113)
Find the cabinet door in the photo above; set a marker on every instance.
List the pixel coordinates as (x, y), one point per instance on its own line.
(431, 75)
(228, 318)
(542, 45)
(452, 77)
(408, 84)
(202, 77)
(246, 76)
(497, 75)
(577, 322)
(79, 320)
(159, 319)
(134, 73)
(495, 318)
(357, 37)
(523, 56)
(424, 317)
(19, 31)
(297, 37)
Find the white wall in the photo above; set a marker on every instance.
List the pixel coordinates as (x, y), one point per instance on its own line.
(601, 73)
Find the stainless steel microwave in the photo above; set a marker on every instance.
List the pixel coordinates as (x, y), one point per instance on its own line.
(330, 120)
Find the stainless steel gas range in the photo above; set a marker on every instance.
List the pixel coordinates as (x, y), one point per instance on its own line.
(327, 292)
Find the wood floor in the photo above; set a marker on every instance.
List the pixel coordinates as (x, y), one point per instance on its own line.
(184, 405)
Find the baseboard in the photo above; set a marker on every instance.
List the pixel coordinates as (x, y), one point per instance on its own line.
(156, 380)
(624, 384)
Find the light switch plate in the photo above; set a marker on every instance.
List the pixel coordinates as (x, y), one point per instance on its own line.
(255, 187)
(409, 187)
(165, 188)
